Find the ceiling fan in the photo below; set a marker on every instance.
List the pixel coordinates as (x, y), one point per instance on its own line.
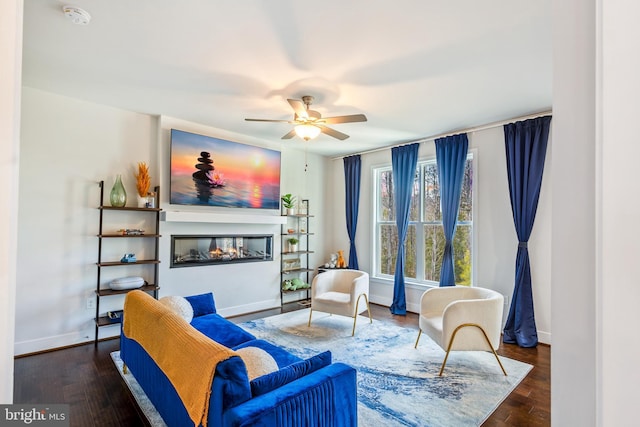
(309, 123)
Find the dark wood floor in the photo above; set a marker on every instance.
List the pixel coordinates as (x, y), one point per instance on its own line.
(85, 378)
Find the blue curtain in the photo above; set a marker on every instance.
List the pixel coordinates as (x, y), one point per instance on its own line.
(526, 147)
(352, 200)
(403, 162)
(451, 156)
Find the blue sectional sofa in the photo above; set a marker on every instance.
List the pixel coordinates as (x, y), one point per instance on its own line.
(311, 392)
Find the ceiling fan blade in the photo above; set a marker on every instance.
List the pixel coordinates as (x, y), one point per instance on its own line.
(344, 119)
(290, 135)
(334, 133)
(299, 108)
(269, 120)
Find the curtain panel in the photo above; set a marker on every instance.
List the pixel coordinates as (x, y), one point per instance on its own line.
(352, 171)
(451, 157)
(403, 162)
(526, 148)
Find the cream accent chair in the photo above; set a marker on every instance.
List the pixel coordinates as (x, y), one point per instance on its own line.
(462, 318)
(341, 292)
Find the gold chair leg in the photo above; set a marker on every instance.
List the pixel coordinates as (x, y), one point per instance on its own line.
(453, 336)
(419, 333)
(124, 368)
(309, 323)
(355, 315)
(368, 309)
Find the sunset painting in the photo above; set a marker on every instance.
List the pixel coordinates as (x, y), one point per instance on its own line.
(209, 171)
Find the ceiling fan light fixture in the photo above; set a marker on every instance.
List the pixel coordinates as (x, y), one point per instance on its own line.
(307, 131)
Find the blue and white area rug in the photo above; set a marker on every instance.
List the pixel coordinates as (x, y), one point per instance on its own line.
(397, 384)
(145, 405)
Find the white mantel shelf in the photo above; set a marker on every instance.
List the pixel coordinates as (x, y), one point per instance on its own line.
(222, 218)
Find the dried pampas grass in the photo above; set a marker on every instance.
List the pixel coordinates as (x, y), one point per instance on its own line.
(143, 180)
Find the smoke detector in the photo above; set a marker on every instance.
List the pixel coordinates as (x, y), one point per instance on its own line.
(77, 15)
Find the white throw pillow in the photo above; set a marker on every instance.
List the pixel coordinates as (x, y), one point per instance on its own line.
(257, 361)
(179, 305)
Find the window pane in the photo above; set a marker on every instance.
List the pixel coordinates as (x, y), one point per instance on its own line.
(466, 211)
(386, 208)
(389, 250)
(414, 208)
(432, 211)
(462, 255)
(433, 250)
(410, 253)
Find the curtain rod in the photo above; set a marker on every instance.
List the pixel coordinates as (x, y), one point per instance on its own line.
(455, 132)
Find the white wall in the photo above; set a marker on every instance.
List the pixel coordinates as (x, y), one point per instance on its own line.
(595, 241)
(10, 69)
(618, 292)
(496, 244)
(67, 147)
(573, 291)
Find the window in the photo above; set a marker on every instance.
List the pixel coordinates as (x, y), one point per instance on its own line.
(424, 244)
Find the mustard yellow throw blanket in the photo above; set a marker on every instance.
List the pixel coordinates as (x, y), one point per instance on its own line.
(186, 356)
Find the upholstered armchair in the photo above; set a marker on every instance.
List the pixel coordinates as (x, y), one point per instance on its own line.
(462, 318)
(342, 292)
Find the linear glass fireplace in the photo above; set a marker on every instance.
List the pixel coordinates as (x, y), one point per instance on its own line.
(192, 251)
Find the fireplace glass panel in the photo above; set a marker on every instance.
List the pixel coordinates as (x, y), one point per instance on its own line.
(191, 251)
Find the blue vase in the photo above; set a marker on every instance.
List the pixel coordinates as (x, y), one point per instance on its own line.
(118, 195)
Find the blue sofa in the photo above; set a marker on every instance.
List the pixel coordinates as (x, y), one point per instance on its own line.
(311, 392)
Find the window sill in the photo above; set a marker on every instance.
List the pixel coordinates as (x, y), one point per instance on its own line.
(410, 285)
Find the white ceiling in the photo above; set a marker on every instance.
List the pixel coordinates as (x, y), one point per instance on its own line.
(415, 68)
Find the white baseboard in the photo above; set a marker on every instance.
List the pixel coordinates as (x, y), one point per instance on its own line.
(249, 308)
(48, 343)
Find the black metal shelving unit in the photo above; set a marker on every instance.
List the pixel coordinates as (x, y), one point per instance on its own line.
(150, 285)
(304, 270)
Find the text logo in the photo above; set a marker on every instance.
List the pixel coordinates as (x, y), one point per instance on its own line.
(54, 415)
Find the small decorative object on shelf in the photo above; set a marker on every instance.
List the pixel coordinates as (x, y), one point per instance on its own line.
(128, 258)
(131, 282)
(294, 284)
(143, 183)
(291, 264)
(341, 262)
(151, 200)
(333, 261)
(115, 314)
(293, 244)
(289, 202)
(131, 231)
(118, 195)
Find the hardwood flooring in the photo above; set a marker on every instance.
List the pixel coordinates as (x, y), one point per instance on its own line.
(84, 377)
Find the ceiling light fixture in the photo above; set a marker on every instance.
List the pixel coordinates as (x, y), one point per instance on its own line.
(77, 15)
(307, 131)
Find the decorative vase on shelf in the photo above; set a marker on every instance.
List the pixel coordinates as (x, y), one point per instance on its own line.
(143, 202)
(118, 195)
